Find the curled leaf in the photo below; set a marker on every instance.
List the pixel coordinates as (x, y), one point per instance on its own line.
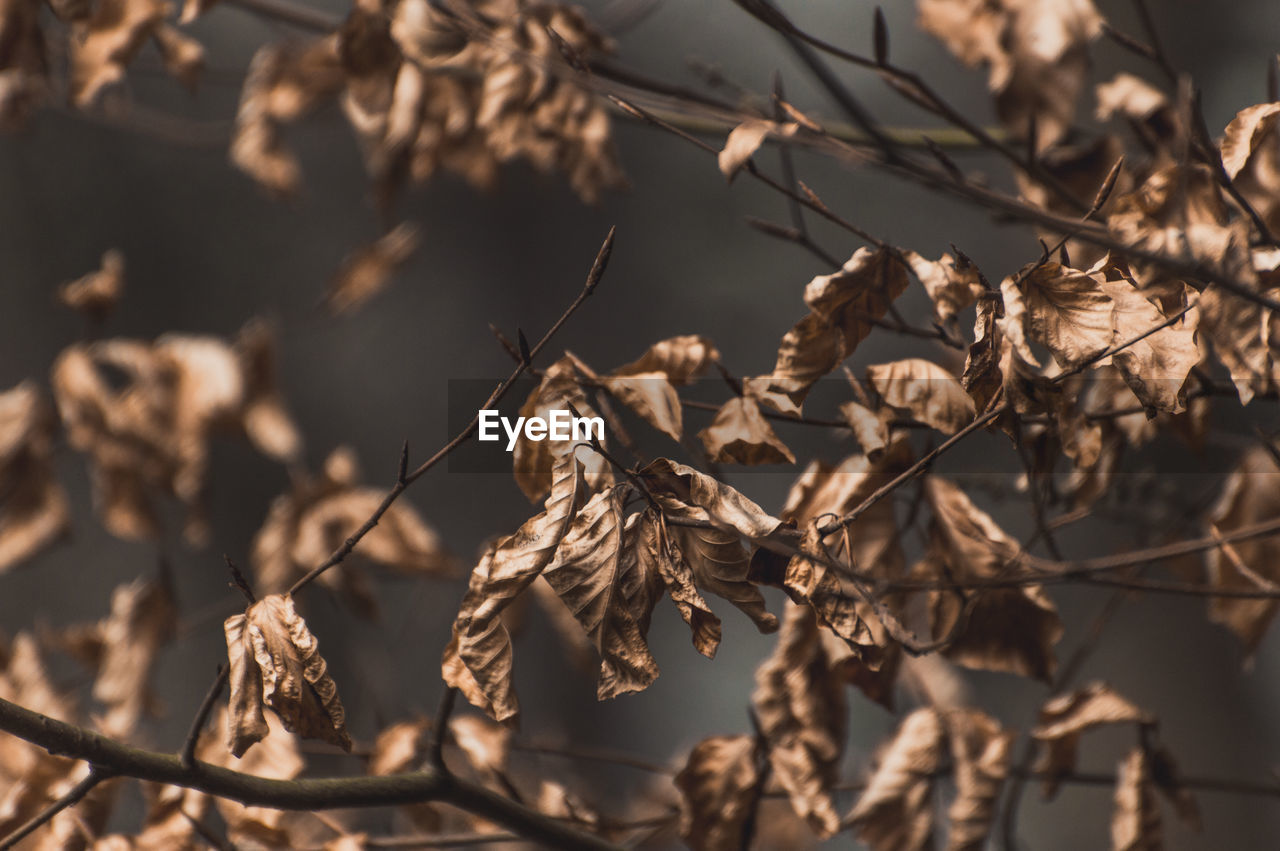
(925, 390)
(275, 662)
(740, 434)
(718, 786)
(801, 711)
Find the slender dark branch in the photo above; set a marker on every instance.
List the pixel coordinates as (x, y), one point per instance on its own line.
(188, 752)
(440, 728)
(109, 757)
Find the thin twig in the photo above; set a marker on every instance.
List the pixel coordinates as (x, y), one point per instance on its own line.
(188, 752)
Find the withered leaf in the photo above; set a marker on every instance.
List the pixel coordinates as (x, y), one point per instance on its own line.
(275, 662)
(718, 786)
(859, 294)
(745, 139)
(870, 428)
(478, 659)
(34, 511)
(365, 272)
(1135, 822)
(1251, 157)
(1008, 629)
(952, 284)
(801, 711)
(1065, 309)
(895, 811)
(1065, 717)
(95, 295)
(983, 378)
(107, 42)
(1157, 366)
(809, 582)
(720, 566)
(283, 84)
(681, 359)
(182, 55)
(980, 752)
(660, 557)
(1129, 95)
(1036, 55)
(807, 352)
(651, 396)
(600, 578)
(740, 434)
(1249, 495)
(928, 392)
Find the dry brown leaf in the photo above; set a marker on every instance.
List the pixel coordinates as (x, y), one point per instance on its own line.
(34, 512)
(719, 789)
(718, 561)
(806, 353)
(1130, 96)
(95, 295)
(740, 434)
(275, 662)
(1036, 55)
(809, 582)
(1251, 494)
(146, 413)
(283, 84)
(895, 811)
(1179, 212)
(876, 550)
(1065, 717)
(952, 284)
(651, 396)
(1135, 823)
(925, 390)
(660, 557)
(182, 55)
(106, 42)
(1156, 367)
(1007, 629)
(983, 377)
(1251, 157)
(980, 751)
(366, 272)
(680, 359)
(598, 575)
(745, 139)
(1065, 309)
(859, 294)
(801, 711)
(24, 67)
(170, 823)
(478, 659)
(870, 428)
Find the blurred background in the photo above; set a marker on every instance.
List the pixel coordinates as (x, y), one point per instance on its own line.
(206, 250)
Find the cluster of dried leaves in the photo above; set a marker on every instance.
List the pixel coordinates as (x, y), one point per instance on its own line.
(1164, 282)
